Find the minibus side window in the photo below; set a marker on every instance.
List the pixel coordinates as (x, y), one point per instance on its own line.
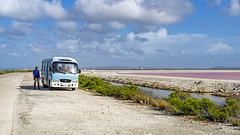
(43, 66)
(48, 66)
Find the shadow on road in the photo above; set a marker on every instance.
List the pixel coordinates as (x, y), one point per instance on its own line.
(42, 89)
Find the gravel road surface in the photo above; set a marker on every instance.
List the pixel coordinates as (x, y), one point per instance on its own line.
(65, 112)
(9, 85)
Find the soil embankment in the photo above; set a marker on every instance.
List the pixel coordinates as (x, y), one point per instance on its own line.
(165, 79)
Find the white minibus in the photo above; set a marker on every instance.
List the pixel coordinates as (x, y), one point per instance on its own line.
(60, 72)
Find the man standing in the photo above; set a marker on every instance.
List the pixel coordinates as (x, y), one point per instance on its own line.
(36, 77)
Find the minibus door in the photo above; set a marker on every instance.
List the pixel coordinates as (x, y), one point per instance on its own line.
(47, 73)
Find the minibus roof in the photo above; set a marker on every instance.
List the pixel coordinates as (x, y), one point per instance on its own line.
(61, 59)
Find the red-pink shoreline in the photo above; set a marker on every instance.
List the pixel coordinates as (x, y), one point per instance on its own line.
(203, 75)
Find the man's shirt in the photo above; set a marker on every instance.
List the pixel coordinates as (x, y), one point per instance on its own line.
(36, 73)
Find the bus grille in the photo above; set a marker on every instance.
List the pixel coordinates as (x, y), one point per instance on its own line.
(65, 80)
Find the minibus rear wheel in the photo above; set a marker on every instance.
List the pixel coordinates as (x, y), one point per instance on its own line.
(44, 86)
(50, 88)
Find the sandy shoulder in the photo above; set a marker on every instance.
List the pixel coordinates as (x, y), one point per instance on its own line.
(41, 112)
(9, 85)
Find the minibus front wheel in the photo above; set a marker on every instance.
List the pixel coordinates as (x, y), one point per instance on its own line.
(49, 86)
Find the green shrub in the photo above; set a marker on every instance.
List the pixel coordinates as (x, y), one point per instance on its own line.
(179, 94)
(176, 102)
(139, 97)
(204, 108)
(1, 72)
(201, 118)
(231, 108)
(191, 106)
(211, 111)
(106, 88)
(164, 105)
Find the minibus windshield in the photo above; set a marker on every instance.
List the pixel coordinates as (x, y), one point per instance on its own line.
(65, 67)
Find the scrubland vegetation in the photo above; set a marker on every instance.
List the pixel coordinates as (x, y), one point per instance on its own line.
(178, 102)
(14, 71)
(106, 89)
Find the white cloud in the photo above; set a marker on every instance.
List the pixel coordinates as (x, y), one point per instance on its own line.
(13, 54)
(144, 11)
(67, 25)
(95, 27)
(33, 48)
(17, 28)
(149, 44)
(54, 9)
(117, 25)
(214, 2)
(67, 45)
(144, 28)
(234, 9)
(161, 33)
(29, 10)
(131, 36)
(220, 47)
(3, 46)
(158, 47)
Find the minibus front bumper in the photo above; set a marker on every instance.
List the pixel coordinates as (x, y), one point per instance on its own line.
(64, 85)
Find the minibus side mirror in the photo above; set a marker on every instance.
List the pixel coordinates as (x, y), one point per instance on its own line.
(79, 71)
(50, 69)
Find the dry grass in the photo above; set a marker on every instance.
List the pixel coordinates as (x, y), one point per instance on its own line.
(140, 98)
(1, 72)
(235, 121)
(163, 105)
(158, 104)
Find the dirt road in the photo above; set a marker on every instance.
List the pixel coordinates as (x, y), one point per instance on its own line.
(9, 85)
(79, 112)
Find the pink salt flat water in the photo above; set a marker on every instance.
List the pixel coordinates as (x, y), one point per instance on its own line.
(203, 75)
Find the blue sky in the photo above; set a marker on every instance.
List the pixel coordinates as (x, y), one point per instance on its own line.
(152, 33)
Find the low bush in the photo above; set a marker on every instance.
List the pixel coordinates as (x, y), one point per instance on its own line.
(164, 105)
(140, 97)
(235, 121)
(1, 72)
(179, 94)
(231, 108)
(14, 71)
(106, 88)
(204, 108)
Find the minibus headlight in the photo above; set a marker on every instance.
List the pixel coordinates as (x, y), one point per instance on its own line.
(74, 81)
(55, 81)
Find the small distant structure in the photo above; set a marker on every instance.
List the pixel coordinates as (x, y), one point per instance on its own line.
(91, 71)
